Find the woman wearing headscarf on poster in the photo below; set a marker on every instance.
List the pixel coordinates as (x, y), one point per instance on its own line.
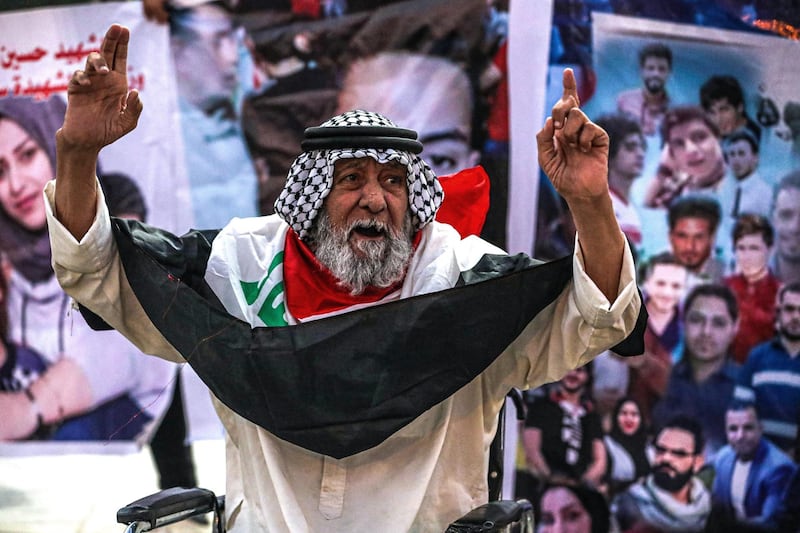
(627, 446)
(80, 384)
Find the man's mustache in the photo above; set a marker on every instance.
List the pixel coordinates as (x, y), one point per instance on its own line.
(664, 467)
(370, 226)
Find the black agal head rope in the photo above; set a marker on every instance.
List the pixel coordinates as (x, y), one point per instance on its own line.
(323, 138)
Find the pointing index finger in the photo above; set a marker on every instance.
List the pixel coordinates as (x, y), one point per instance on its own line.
(569, 99)
(570, 86)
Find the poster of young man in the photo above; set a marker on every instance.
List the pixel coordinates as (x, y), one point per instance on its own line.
(710, 102)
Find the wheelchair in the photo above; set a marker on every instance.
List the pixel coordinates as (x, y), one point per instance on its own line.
(175, 504)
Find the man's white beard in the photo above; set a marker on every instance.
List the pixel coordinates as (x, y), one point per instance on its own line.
(383, 263)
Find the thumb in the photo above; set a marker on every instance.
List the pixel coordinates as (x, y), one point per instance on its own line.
(545, 141)
(133, 109)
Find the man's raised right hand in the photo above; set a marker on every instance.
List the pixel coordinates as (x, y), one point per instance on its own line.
(100, 109)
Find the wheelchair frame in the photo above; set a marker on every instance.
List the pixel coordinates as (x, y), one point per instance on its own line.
(178, 503)
(175, 504)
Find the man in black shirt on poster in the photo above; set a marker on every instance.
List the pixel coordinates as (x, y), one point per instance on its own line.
(563, 436)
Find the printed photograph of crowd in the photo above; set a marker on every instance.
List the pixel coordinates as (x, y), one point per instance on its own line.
(700, 433)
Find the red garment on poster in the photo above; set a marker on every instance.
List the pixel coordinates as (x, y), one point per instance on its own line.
(307, 8)
(649, 379)
(756, 312)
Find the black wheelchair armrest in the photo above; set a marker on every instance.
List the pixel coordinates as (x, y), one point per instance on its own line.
(493, 516)
(169, 506)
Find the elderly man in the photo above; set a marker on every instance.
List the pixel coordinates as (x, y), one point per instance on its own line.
(371, 420)
(751, 474)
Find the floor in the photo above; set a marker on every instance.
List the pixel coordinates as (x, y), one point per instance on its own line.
(80, 493)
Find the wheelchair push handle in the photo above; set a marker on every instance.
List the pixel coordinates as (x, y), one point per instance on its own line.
(169, 506)
(496, 516)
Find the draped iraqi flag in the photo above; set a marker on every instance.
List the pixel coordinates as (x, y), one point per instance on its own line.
(343, 384)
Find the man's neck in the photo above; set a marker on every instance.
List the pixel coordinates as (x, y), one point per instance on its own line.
(659, 319)
(683, 495)
(573, 398)
(620, 184)
(212, 105)
(749, 457)
(658, 96)
(702, 370)
(700, 269)
(791, 347)
(757, 276)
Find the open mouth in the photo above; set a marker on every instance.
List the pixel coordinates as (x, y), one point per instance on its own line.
(369, 229)
(368, 232)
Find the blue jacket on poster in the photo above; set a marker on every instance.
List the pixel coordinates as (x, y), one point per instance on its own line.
(766, 482)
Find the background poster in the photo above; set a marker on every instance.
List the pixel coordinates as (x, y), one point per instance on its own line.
(295, 65)
(765, 65)
(109, 397)
(754, 44)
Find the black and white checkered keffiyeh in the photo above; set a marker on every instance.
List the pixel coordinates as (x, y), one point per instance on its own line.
(311, 177)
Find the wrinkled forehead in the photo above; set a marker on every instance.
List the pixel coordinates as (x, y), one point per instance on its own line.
(346, 163)
(352, 135)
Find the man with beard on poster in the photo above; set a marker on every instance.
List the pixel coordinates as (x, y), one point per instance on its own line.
(671, 497)
(693, 222)
(647, 104)
(377, 416)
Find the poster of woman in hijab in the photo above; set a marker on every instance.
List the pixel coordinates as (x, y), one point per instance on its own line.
(60, 380)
